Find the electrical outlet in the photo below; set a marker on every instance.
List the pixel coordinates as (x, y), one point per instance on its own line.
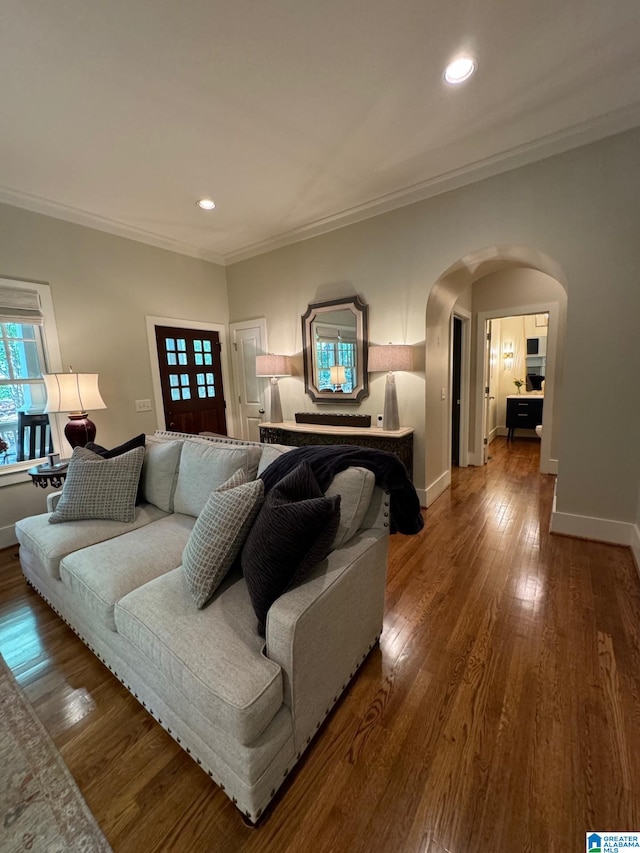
(143, 405)
(379, 419)
(443, 393)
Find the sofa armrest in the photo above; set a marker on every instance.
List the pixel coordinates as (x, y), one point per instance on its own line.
(52, 500)
(321, 631)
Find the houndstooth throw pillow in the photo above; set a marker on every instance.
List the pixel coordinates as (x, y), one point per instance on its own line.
(99, 488)
(219, 534)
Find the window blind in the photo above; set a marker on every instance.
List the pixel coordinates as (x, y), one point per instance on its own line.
(20, 306)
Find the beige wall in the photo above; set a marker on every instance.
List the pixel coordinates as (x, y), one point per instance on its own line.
(580, 209)
(102, 288)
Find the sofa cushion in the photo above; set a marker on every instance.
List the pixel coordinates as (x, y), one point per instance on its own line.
(51, 542)
(213, 657)
(270, 452)
(102, 574)
(294, 531)
(355, 487)
(100, 488)
(160, 472)
(204, 466)
(219, 534)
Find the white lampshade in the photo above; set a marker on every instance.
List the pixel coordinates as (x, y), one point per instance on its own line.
(273, 365)
(337, 374)
(390, 357)
(72, 392)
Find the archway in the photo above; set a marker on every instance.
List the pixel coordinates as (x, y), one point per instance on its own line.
(455, 287)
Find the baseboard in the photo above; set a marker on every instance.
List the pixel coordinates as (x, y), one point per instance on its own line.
(8, 536)
(635, 545)
(422, 496)
(438, 487)
(587, 527)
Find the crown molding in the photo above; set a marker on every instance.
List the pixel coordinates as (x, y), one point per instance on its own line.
(90, 220)
(614, 122)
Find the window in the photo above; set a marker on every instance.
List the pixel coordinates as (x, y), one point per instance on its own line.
(334, 353)
(23, 360)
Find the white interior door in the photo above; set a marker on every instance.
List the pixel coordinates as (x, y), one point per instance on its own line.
(249, 339)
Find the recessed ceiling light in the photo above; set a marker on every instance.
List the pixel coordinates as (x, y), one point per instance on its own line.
(460, 69)
(206, 204)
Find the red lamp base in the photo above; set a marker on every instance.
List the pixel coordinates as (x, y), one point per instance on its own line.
(79, 430)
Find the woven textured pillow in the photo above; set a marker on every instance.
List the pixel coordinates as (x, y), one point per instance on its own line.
(293, 532)
(136, 441)
(99, 488)
(219, 534)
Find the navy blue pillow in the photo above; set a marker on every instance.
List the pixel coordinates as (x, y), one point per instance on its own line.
(137, 441)
(293, 532)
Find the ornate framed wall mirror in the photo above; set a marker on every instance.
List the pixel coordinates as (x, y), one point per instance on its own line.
(335, 342)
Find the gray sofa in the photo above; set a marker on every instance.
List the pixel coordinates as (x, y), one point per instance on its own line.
(245, 707)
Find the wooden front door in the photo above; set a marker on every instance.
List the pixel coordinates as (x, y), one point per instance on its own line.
(191, 380)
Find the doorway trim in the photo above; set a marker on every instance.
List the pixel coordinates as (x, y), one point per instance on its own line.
(465, 380)
(547, 464)
(151, 323)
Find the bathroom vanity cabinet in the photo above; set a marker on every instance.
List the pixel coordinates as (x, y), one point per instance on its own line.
(524, 411)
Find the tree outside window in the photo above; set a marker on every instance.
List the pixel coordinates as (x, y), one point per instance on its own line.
(21, 385)
(331, 354)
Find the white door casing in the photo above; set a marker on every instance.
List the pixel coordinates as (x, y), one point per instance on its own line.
(486, 390)
(465, 379)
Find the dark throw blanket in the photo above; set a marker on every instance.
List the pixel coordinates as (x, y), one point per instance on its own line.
(389, 471)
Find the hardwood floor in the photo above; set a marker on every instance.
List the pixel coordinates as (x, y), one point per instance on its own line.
(501, 711)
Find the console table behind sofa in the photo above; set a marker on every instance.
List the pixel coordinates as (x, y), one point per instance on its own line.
(398, 441)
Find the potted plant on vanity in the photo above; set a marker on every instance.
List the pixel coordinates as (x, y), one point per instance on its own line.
(519, 383)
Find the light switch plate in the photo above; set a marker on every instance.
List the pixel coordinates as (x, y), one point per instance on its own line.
(143, 405)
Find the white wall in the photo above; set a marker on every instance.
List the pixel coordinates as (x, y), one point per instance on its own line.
(102, 287)
(581, 209)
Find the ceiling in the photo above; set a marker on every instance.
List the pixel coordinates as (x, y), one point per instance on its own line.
(296, 117)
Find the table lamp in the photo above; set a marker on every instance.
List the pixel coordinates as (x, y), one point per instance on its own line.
(74, 393)
(337, 376)
(388, 358)
(274, 366)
